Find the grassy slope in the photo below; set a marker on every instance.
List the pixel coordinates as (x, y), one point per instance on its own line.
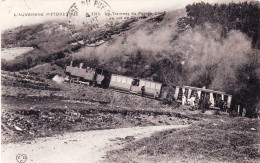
(215, 139)
(119, 54)
(51, 40)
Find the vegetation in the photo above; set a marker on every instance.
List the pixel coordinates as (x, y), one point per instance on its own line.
(49, 41)
(239, 16)
(219, 139)
(210, 47)
(234, 16)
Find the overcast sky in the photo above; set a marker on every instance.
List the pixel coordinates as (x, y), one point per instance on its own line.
(11, 7)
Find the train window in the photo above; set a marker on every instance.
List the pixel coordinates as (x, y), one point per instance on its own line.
(225, 98)
(129, 80)
(113, 78)
(123, 80)
(158, 86)
(118, 79)
(142, 83)
(147, 84)
(152, 85)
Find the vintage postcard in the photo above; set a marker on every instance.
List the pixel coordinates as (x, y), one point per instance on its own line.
(86, 81)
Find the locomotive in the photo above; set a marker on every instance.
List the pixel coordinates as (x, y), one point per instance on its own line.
(103, 78)
(85, 75)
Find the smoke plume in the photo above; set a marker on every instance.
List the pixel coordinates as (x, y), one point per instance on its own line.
(151, 37)
(207, 53)
(207, 57)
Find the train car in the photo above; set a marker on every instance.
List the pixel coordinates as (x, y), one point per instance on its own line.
(121, 82)
(136, 86)
(217, 99)
(150, 88)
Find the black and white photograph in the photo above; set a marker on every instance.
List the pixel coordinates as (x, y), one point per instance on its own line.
(130, 81)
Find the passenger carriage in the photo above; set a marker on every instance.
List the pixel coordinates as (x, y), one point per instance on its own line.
(136, 86)
(216, 99)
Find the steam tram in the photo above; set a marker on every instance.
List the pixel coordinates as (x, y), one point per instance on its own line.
(183, 94)
(102, 78)
(88, 76)
(188, 95)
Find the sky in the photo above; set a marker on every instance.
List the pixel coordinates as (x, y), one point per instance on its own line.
(10, 8)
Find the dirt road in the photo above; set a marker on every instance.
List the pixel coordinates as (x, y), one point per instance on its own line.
(88, 147)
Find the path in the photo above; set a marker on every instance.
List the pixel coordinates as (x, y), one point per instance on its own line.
(83, 147)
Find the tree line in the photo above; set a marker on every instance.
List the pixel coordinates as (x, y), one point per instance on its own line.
(239, 16)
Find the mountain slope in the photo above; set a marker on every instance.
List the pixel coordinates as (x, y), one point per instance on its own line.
(200, 49)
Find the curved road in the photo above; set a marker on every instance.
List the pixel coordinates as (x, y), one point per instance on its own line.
(83, 147)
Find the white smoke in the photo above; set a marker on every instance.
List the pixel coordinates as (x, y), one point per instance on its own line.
(58, 79)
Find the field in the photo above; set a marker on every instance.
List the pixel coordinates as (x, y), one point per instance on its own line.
(10, 53)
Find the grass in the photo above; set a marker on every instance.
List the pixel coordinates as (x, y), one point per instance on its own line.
(216, 139)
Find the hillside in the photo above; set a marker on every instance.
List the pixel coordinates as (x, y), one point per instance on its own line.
(216, 139)
(203, 45)
(189, 47)
(198, 50)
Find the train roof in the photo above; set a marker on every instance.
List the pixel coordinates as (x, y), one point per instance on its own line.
(150, 81)
(137, 78)
(205, 90)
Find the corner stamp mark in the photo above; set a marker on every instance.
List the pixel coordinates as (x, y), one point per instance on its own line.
(21, 158)
(87, 18)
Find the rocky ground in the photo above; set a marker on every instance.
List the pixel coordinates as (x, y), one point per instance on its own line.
(37, 107)
(48, 121)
